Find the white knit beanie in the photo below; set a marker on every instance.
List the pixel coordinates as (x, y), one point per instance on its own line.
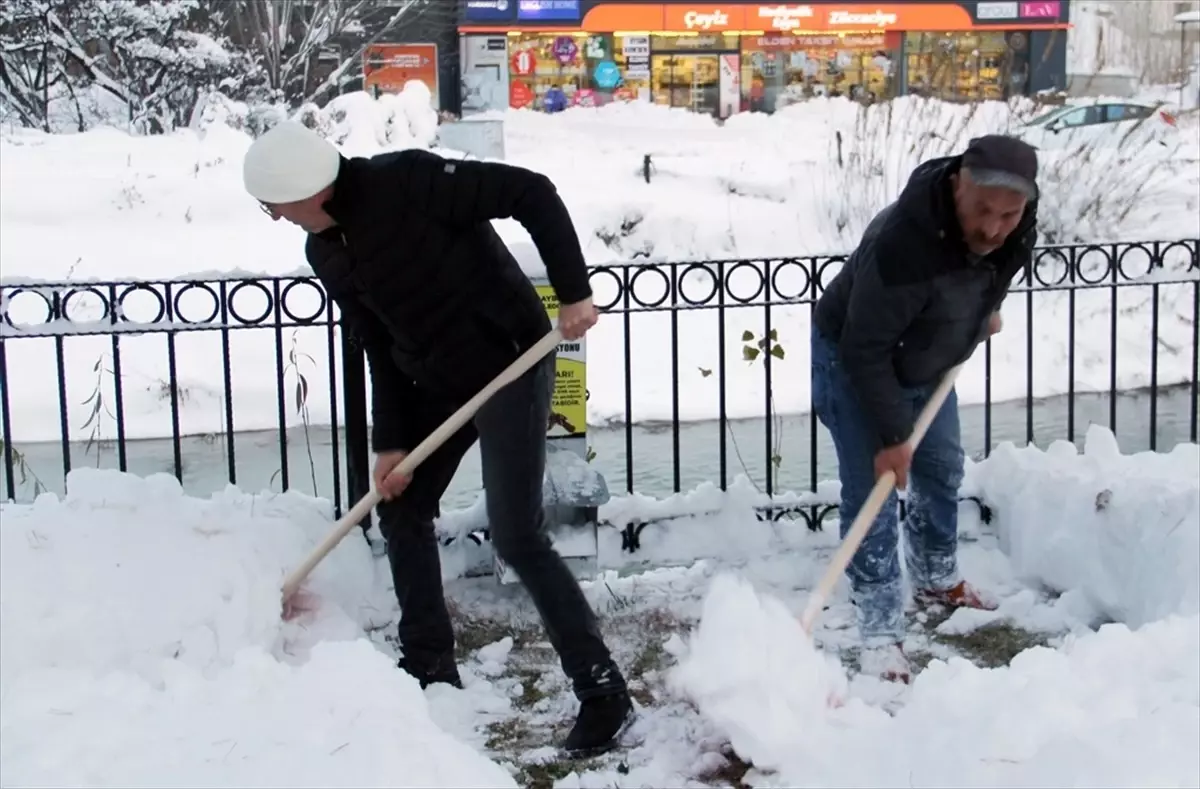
(290, 162)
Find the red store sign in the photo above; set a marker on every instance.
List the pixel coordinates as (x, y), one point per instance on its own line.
(524, 63)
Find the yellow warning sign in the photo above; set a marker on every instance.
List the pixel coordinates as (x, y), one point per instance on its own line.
(568, 407)
(549, 301)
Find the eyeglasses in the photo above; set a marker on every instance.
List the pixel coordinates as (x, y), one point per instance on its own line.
(266, 209)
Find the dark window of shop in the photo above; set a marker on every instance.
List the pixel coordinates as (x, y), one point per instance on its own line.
(966, 66)
(778, 70)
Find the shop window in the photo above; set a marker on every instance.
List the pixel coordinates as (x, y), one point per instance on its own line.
(632, 56)
(545, 70)
(552, 71)
(687, 71)
(687, 80)
(963, 66)
(778, 70)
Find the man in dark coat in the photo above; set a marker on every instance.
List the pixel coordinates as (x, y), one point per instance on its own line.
(403, 243)
(921, 291)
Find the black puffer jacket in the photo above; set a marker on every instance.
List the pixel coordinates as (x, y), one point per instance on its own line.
(911, 301)
(425, 284)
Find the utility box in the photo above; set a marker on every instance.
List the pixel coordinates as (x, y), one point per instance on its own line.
(572, 492)
(573, 489)
(482, 138)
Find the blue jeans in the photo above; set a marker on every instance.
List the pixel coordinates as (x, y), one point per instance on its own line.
(931, 522)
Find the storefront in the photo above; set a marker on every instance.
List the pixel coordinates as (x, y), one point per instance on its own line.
(725, 58)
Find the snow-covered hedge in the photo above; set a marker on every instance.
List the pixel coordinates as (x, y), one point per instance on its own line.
(358, 122)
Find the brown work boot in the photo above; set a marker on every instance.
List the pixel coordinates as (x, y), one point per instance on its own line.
(961, 595)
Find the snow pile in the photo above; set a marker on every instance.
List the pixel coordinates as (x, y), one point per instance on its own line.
(1113, 708)
(733, 693)
(143, 646)
(347, 717)
(362, 125)
(741, 189)
(1122, 529)
(1116, 707)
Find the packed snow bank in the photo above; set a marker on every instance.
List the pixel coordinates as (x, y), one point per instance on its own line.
(1122, 529)
(143, 646)
(1113, 708)
(1117, 707)
(346, 717)
(105, 205)
(123, 573)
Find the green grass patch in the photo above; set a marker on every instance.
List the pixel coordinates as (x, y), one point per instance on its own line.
(992, 645)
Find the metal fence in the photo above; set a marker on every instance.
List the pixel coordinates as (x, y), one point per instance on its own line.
(258, 364)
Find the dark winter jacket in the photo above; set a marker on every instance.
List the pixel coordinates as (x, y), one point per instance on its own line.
(911, 301)
(425, 284)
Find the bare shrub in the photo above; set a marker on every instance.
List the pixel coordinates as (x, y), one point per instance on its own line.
(873, 160)
(1114, 186)
(1103, 187)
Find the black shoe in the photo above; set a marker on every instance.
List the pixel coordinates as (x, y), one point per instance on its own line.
(446, 673)
(601, 721)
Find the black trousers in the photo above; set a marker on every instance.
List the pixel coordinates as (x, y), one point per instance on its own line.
(511, 430)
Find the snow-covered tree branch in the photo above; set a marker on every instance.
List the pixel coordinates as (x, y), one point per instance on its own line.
(31, 70)
(283, 36)
(147, 64)
(338, 75)
(147, 58)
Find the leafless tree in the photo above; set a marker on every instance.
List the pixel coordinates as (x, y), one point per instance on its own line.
(286, 36)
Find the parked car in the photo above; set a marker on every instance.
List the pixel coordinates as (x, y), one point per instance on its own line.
(1102, 123)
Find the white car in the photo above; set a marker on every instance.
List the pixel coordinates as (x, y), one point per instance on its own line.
(1106, 124)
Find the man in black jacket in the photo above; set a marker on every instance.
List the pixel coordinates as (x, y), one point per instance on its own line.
(403, 243)
(920, 292)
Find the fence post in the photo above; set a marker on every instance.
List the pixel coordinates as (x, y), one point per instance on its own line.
(358, 445)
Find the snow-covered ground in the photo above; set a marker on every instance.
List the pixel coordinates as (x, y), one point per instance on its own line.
(142, 646)
(104, 204)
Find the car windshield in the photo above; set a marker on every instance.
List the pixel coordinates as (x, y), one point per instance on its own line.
(1043, 119)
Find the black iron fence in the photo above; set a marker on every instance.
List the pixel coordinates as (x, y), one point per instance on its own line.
(698, 373)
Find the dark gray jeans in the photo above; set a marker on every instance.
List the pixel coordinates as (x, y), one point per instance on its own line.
(511, 429)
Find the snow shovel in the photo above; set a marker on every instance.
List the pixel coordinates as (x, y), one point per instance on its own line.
(872, 506)
(293, 602)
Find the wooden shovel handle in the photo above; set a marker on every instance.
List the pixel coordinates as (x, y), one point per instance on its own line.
(523, 364)
(874, 503)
